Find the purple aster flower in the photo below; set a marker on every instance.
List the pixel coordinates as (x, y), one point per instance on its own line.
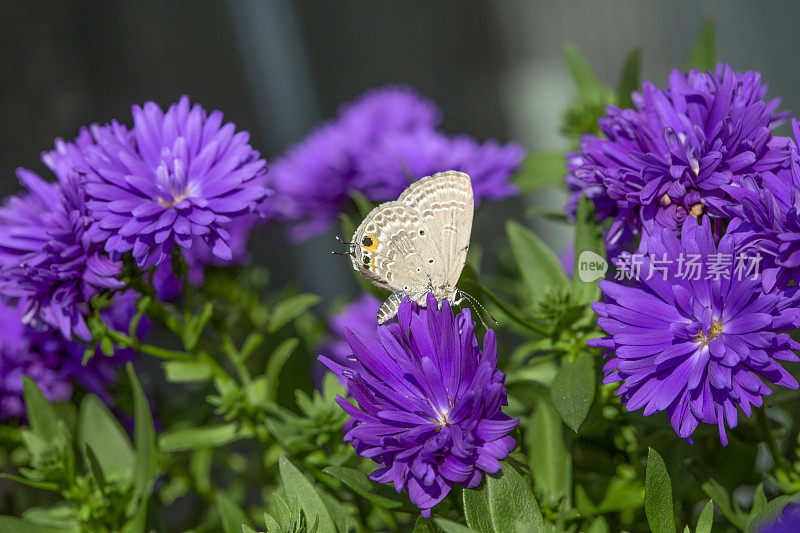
(177, 177)
(54, 363)
(696, 348)
(769, 211)
(46, 257)
(385, 170)
(429, 402)
(313, 180)
(671, 156)
(787, 522)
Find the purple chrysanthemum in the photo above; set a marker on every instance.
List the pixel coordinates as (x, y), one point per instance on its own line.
(375, 145)
(385, 171)
(46, 257)
(769, 209)
(429, 402)
(52, 362)
(176, 177)
(696, 348)
(671, 156)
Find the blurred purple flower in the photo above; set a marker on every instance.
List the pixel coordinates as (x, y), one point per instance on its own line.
(672, 156)
(313, 179)
(358, 317)
(54, 363)
(373, 145)
(177, 177)
(696, 349)
(386, 170)
(787, 522)
(46, 257)
(429, 402)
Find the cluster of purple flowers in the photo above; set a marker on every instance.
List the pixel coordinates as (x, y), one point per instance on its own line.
(429, 401)
(376, 145)
(176, 177)
(52, 361)
(695, 170)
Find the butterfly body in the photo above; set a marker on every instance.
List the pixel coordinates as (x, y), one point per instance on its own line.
(418, 243)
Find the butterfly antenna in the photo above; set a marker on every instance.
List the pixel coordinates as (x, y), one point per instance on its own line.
(341, 253)
(478, 304)
(409, 176)
(342, 241)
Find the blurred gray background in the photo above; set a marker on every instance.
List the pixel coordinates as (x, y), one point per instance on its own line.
(277, 67)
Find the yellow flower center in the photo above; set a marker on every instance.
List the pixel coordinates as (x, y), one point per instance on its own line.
(713, 332)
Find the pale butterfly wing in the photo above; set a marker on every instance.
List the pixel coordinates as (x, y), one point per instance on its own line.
(417, 244)
(395, 249)
(445, 203)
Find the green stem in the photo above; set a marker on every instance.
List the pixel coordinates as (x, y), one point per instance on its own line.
(516, 317)
(162, 353)
(769, 437)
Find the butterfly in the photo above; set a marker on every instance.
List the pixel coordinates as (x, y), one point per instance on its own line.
(418, 243)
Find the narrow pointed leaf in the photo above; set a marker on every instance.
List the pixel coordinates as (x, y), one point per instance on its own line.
(658, 495)
(706, 518)
(629, 79)
(573, 390)
(511, 500)
(703, 55)
(538, 266)
(232, 517)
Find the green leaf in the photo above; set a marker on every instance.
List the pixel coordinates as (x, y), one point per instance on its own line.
(196, 326)
(9, 524)
(248, 529)
(590, 250)
(768, 513)
(541, 170)
(95, 468)
(42, 416)
(287, 310)
(196, 438)
(581, 71)
(299, 489)
(232, 517)
(573, 389)
(706, 518)
(275, 364)
(425, 525)
(476, 509)
(187, 372)
(381, 495)
(538, 266)
(598, 525)
(99, 430)
(658, 495)
(704, 52)
(59, 515)
(144, 437)
(759, 500)
(41, 485)
(548, 457)
(629, 79)
(448, 526)
(511, 501)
